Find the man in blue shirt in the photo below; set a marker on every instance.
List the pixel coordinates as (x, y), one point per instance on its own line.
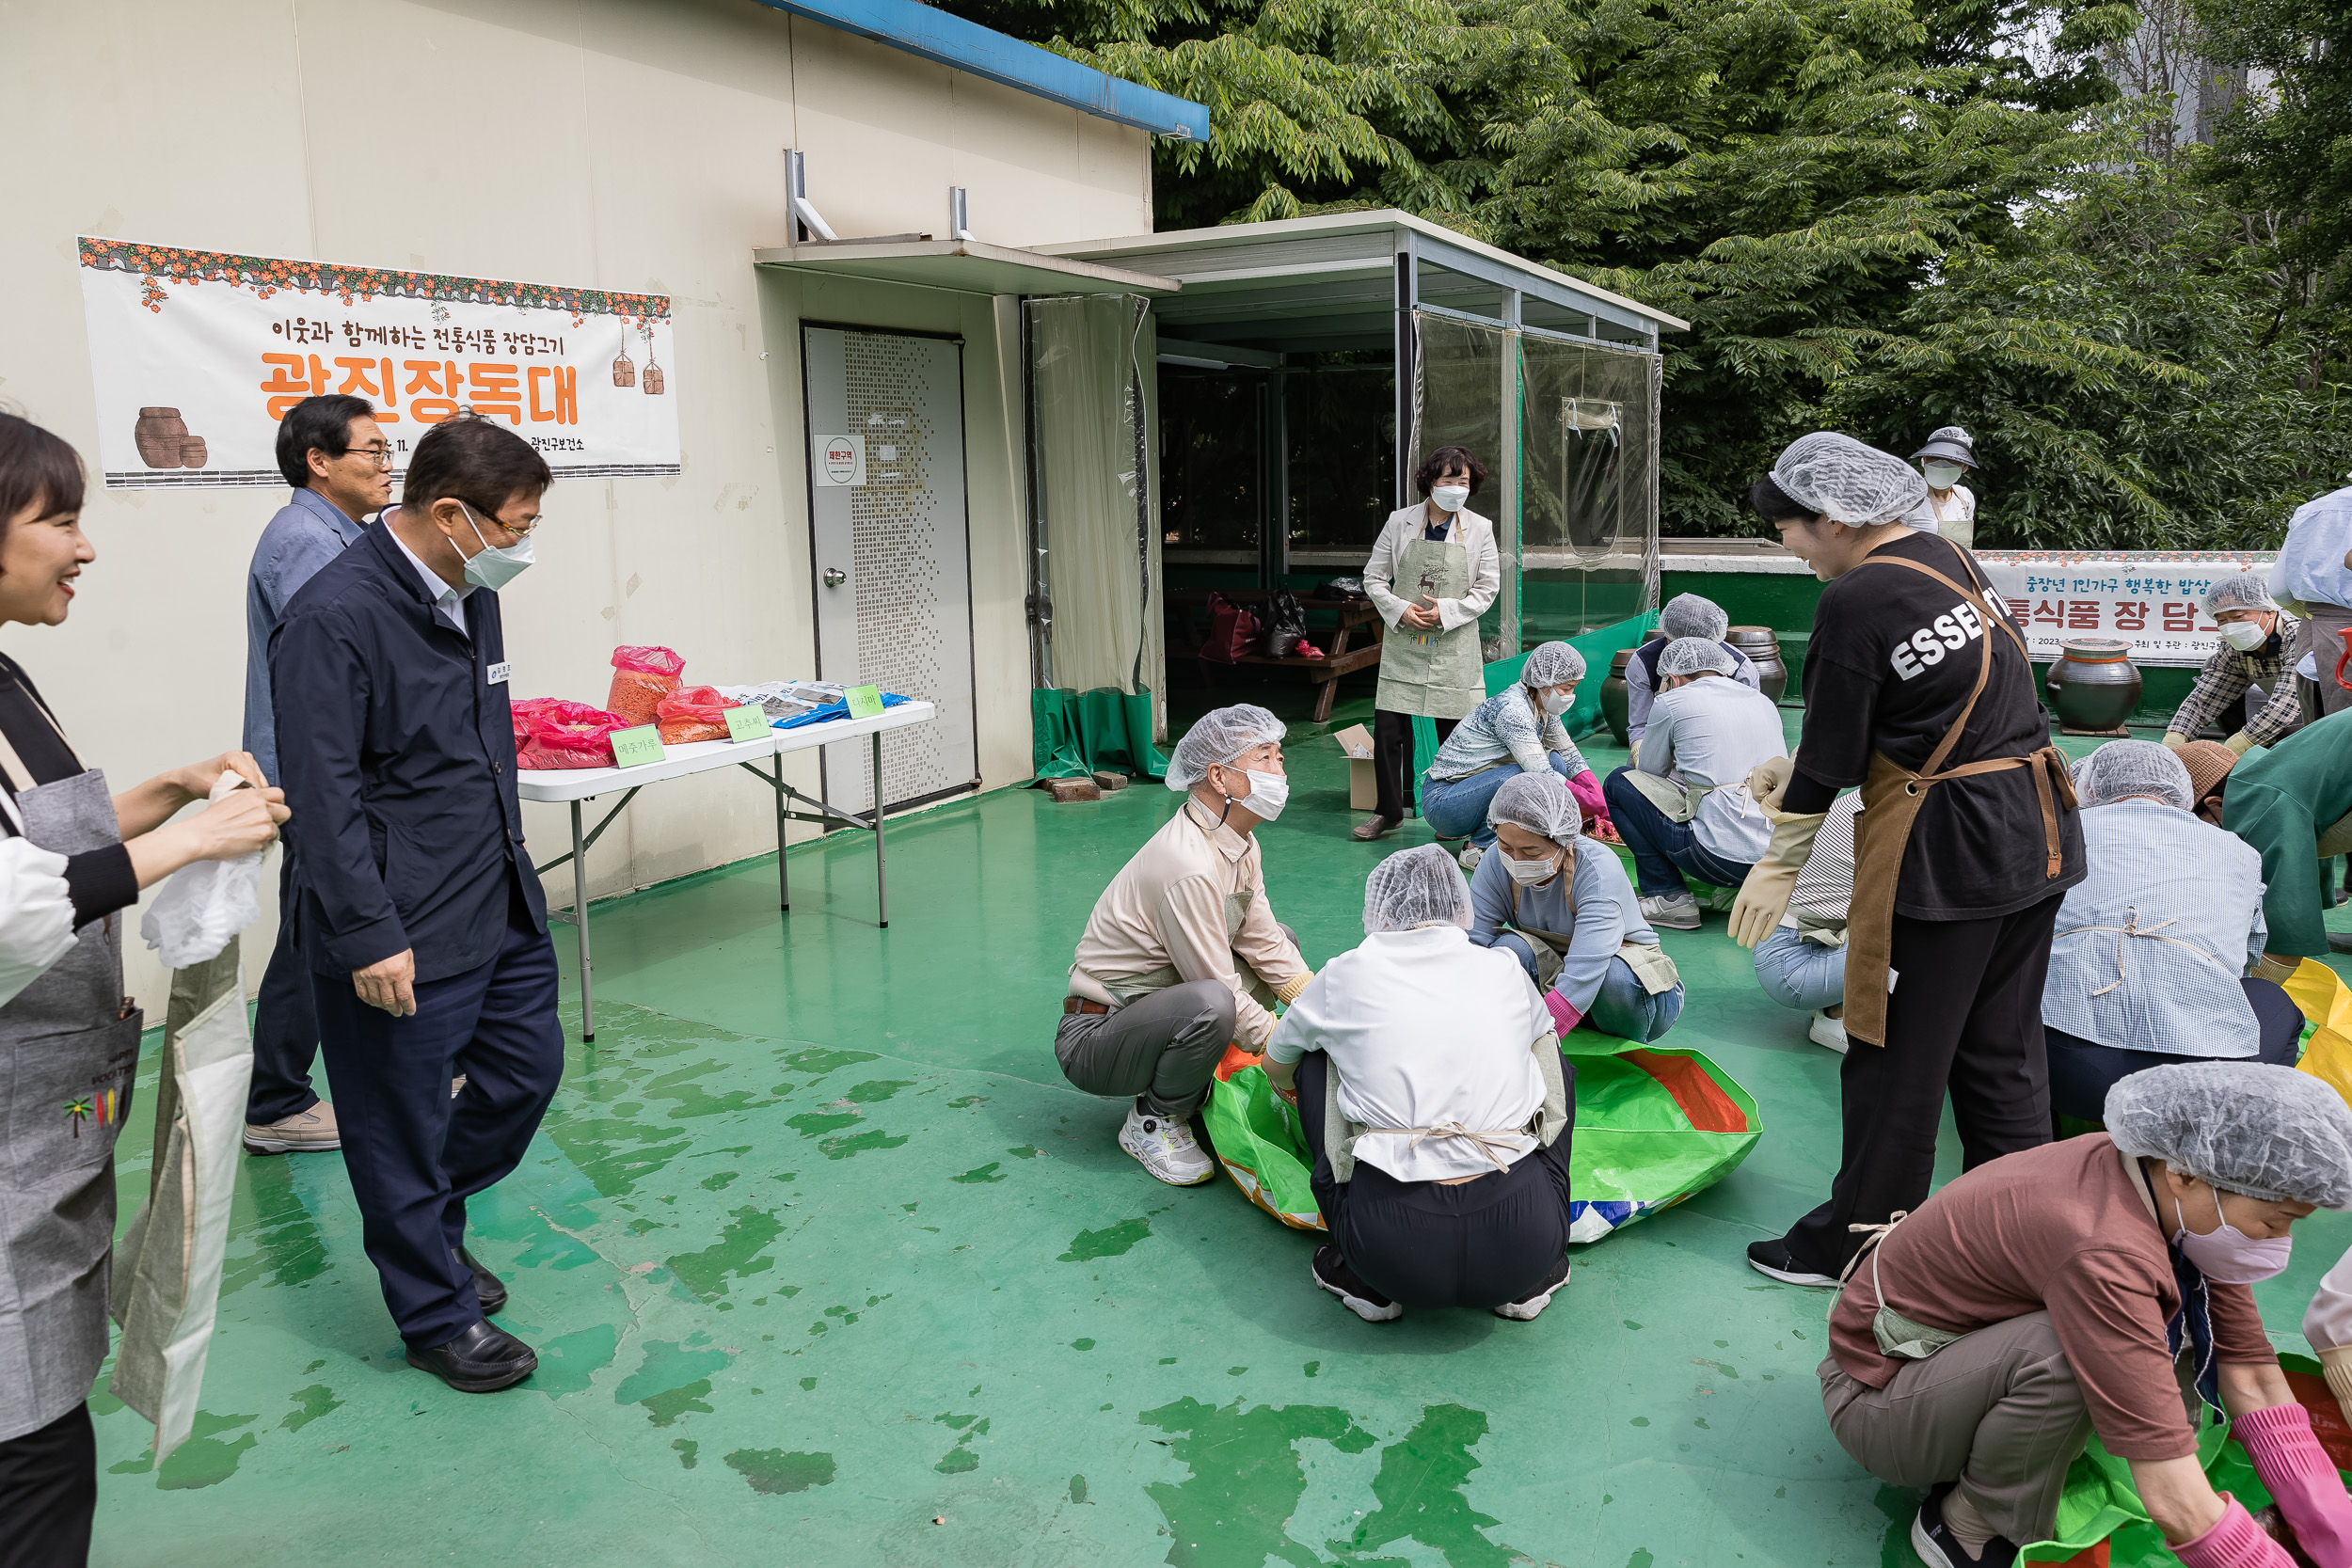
(2314, 574)
(339, 463)
(417, 909)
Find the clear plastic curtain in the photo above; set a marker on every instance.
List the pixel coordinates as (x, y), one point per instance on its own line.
(1088, 420)
(1590, 503)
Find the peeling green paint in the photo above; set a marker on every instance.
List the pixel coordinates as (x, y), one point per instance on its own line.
(771, 1471)
(878, 1091)
(841, 1148)
(1420, 1490)
(980, 1176)
(671, 1381)
(687, 1448)
(205, 1459)
(1091, 1244)
(310, 1404)
(1246, 1481)
(736, 1252)
(568, 1361)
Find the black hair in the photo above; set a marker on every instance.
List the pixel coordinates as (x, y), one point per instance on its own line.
(474, 460)
(1438, 462)
(1774, 505)
(38, 469)
(320, 423)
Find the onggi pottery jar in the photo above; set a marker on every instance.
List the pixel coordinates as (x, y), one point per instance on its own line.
(1763, 651)
(159, 435)
(1615, 701)
(2093, 687)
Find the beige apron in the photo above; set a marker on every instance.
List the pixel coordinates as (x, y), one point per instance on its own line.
(1891, 799)
(1434, 674)
(1651, 965)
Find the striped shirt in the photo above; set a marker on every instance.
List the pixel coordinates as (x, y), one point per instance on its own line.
(1824, 890)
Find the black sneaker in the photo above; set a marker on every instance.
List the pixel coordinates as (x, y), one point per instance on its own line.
(1527, 1307)
(1332, 1273)
(1934, 1541)
(1773, 1258)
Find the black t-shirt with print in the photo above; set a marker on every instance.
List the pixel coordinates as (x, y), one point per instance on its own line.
(1893, 658)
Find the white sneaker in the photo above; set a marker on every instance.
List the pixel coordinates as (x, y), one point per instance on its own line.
(310, 1131)
(1527, 1308)
(1469, 857)
(1677, 911)
(1168, 1149)
(1828, 1031)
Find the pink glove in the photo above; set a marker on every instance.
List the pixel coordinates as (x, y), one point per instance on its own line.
(1588, 796)
(1565, 1018)
(2302, 1480)
(2236, 1542)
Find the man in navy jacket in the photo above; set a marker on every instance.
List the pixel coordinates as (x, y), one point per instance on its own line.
(419, 917)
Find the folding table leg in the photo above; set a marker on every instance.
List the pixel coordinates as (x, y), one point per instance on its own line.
(882, 893)
(783, 876)
(580, 921)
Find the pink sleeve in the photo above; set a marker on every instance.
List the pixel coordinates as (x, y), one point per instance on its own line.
(1564, 1018)
(2301, 1478)
(1586, 789)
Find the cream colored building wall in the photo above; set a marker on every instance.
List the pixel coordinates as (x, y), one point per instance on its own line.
(633, 145)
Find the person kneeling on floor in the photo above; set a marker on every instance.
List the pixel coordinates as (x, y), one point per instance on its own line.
(1183, 954)
(2149, 961)
(1683, 807)
(1514, 734)
(1560, 903)
(1432, 1089)
(1802, 964)
(2051, 1293)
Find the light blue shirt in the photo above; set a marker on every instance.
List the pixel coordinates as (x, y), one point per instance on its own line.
(1506, 728)
(2198, 891)
(1607, 915)
(1707, 735)
(308, 532)
(2311, 562)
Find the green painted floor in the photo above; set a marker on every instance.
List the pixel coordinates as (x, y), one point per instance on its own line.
(826, 1265)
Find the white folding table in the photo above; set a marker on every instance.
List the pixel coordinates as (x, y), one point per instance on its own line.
(576, 785)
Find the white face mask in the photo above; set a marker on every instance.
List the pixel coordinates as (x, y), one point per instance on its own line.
(1942, 476)
(2244, 636)
(1555, 702)
(1449, 497)
(1269, 794)
(2228, 1255)
(493, 566)
(1532, 873)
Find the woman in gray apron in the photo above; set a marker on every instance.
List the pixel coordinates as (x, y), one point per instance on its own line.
(1433, 572)
(73, 857)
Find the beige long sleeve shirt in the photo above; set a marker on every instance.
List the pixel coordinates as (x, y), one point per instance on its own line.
(1191, 905)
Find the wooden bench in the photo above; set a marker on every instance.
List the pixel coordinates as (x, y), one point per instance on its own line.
(1188, 614)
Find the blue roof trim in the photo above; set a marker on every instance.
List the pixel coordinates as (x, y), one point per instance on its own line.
(950, 41)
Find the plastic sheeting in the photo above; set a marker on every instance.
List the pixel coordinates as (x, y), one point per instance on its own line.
(1589, 509)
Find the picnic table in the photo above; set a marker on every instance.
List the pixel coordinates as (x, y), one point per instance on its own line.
(1188, 612)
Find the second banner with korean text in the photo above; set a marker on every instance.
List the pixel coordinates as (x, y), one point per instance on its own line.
(2153, 601)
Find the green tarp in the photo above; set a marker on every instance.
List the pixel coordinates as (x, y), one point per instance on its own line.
(1074, 733)
(1584, 716)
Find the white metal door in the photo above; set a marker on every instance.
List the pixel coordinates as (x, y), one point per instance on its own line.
(892, 551)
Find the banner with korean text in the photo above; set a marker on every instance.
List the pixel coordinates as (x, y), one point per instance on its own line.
(2150, 600)
(196, 354)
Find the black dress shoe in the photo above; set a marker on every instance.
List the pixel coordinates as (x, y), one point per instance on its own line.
(481, 1360)
(487, 1288)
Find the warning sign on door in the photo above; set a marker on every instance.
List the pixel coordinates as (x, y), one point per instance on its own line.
(841, 460)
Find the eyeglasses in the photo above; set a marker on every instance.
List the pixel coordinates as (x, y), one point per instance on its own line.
(381, 456)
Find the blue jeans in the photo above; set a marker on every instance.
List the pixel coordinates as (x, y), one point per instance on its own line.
(1800, 973)
(1663, 851)
(1622, 1007)
(1453, 807)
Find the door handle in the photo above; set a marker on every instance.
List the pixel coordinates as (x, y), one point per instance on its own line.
(836, 577)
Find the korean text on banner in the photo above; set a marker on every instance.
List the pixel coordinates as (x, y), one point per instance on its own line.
(196, 354)
(2152, 601)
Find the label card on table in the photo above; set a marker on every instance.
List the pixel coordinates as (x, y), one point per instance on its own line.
(748, 722)
(865, 701)
(643, 744)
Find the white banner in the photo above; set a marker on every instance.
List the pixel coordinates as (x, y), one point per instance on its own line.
(196, 354)
(2150, 601)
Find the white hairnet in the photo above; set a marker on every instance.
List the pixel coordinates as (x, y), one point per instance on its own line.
(2268, 1131)
(2242, 591)
(1846, 482)
(1688, 655)
(1541, 804)
(1219, 735)
(1552, 664)
(1689, 616)
(2122, 768)
(1420, 886)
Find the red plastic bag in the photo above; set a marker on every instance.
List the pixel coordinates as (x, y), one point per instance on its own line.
(550, 733)
(693, 713)
(1232, 631)
(640, 678)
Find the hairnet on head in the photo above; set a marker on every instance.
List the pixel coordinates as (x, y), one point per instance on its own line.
(2268, 1131)
(1420, 886)
(2240, 591)
(1219, 735)
(2123, 768)
(1846, 482)
(1950, 444)
(1689, 616)
(1688, 655)
(1540, 804)
(1552, 664)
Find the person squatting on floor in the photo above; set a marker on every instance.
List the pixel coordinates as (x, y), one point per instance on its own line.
(1183, 955)
(1516, 732)
(2150, 960)
(1433, 1091)
(2260, 643)
(2293, 803)
(2059, 1292)
(1559, 902)
(1683, 806)
(1917, 687)
(420, 916)
(1685, 616)
(1802, 964)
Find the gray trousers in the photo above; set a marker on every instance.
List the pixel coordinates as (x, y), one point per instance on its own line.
(1998, 1411)
(1162, 1048)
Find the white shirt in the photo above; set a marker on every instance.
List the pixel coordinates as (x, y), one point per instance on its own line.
(35, 912)
(1422, 1028)
(1959, 506)
(1707, 735)
(1473, 533)
(449, 602)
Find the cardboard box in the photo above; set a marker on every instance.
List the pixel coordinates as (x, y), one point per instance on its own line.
(1363, 793)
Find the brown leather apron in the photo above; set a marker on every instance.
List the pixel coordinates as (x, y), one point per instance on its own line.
(1891, 799)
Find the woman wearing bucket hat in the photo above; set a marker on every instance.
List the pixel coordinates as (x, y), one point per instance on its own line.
(1950, 507)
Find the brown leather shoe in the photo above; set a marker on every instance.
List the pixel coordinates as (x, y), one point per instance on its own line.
(1374, 826)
